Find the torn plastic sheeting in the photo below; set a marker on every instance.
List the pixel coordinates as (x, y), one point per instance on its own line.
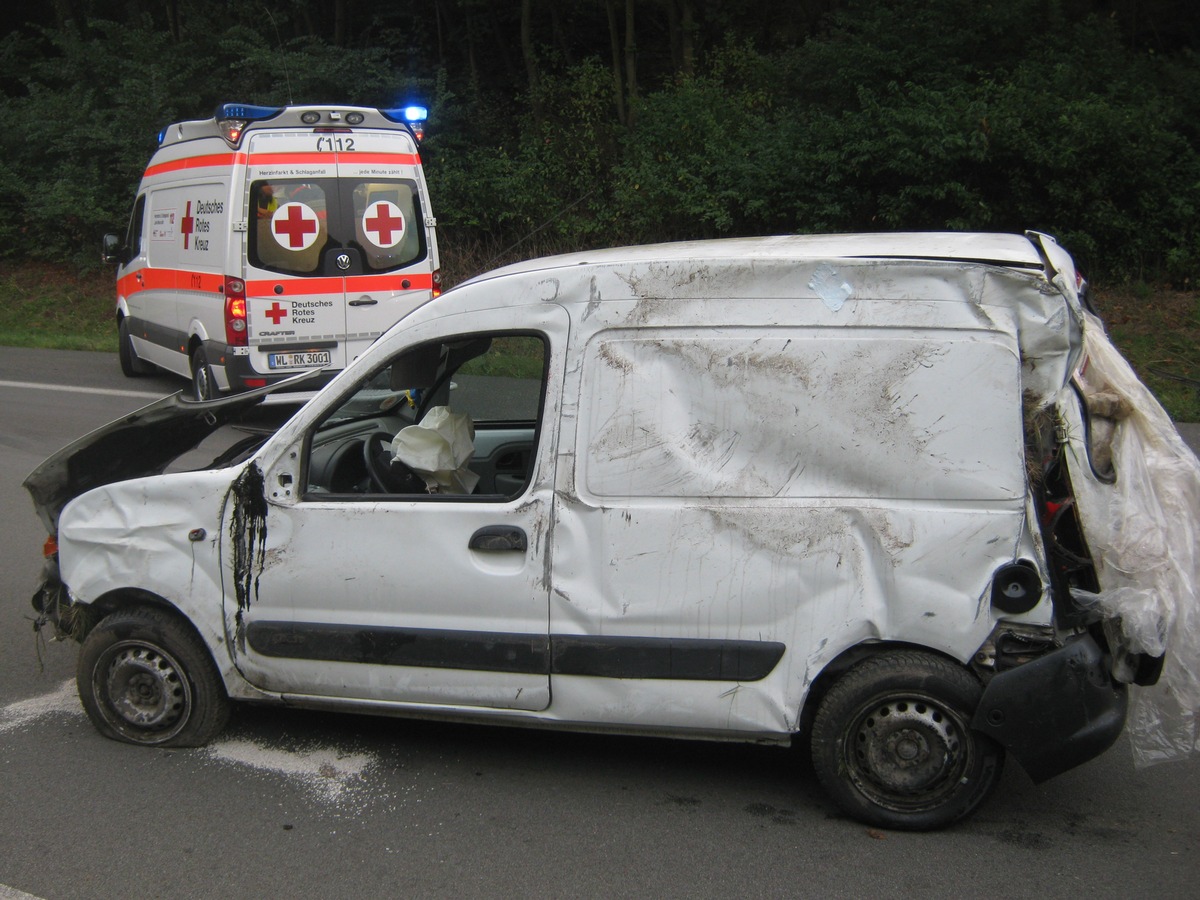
(1142, 532)
(439, 449)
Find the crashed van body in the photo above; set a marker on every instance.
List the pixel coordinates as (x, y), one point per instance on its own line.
(754, 489)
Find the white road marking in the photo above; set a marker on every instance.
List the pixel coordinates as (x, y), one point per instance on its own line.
(8, 893)
(76, 389)
(63, 700)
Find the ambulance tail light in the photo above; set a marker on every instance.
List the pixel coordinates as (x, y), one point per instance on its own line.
(437, 282)
(235, 313)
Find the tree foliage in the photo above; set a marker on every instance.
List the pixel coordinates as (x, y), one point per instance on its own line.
(574, 123)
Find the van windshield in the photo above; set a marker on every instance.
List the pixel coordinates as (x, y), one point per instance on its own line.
(292, 222)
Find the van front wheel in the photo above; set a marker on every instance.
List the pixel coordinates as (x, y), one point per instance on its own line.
(202, 379)
(145, 678)
(892, 742)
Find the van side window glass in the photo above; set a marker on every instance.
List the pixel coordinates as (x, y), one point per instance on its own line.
(133, 237)
(292, 221)
(288, 225)
(388, 224)
(793, 413)
(457, 418)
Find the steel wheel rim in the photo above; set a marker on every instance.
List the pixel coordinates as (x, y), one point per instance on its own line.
(203, 387)
(145, 695)
(907, 752)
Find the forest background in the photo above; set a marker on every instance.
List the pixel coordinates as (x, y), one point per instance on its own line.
(569, 124)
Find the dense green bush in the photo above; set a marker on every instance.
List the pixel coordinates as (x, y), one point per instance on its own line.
(884, 115)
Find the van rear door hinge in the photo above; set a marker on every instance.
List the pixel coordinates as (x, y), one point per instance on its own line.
(431, 222)
(239, 226)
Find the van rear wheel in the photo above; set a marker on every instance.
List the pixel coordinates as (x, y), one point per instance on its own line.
(131, 365)
(893, 746)
(202, 379)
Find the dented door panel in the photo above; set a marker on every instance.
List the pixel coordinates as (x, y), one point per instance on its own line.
(158, 536)
(395, 599)
(738, 488)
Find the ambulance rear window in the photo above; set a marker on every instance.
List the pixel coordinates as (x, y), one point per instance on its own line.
(296, 223)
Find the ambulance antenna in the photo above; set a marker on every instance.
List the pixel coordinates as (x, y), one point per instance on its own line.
(549, 221)
(282, 57)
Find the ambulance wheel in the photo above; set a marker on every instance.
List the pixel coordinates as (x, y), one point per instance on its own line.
(131, 365)
(202, 379)
(893, 746)
(145, 678)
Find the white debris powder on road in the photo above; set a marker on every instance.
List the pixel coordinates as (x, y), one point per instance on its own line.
(329, 773)
(63, 700)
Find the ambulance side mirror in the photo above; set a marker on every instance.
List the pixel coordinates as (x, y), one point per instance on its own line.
(110, 249)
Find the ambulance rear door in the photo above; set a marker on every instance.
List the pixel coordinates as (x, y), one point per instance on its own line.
(383, 199)
(336, 249)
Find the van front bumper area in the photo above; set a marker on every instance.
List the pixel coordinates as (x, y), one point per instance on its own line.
(1055, 712)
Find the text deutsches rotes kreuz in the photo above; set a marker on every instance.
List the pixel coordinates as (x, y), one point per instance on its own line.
(304, 312)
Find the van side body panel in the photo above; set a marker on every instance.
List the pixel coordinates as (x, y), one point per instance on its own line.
(819, 473)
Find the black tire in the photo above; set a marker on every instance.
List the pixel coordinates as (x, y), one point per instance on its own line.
(145, 678)
(893, 746)
(131, 365)
(202, 378)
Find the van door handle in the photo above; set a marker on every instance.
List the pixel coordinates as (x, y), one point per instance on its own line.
(499, 538)
(363, 301)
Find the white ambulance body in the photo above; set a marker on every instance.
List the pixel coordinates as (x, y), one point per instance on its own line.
(266, 241)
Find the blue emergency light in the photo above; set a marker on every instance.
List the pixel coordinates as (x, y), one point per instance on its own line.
(409, 114)
(246, 112)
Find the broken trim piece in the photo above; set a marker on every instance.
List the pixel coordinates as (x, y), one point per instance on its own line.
(1055, 712)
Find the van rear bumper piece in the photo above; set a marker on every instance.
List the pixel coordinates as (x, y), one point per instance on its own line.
(1055, 712)
(238, 370)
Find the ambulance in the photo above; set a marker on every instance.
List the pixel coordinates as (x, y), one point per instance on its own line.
(268, 241)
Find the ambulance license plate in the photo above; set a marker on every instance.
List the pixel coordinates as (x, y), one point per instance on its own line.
(306, 359)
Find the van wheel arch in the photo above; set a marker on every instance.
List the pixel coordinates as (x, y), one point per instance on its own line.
(132, 366)
(839, 666)
(131, 598)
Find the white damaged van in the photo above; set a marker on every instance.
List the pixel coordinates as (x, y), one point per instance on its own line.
(846, 489)
(270, 240)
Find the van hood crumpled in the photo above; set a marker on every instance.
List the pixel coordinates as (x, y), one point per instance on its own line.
(142, 443)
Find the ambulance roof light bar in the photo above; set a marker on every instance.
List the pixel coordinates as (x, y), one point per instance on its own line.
(412, 116)
(232, 119)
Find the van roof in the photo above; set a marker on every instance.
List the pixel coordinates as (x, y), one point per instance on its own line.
(1013, 250)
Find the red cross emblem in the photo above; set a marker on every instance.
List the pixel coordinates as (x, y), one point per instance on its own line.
(383, 223)
(187, 224)
(276, 312)
(295, 226)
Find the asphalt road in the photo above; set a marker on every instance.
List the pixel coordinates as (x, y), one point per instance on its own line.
(300, 804)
